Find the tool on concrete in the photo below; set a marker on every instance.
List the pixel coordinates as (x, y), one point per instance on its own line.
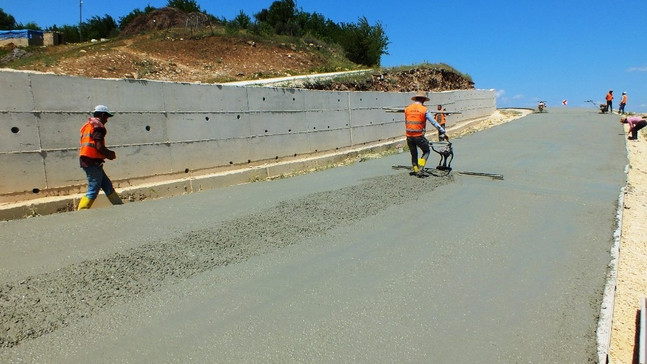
(446, 151)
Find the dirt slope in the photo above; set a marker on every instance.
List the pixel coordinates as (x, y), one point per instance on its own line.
(169, 45)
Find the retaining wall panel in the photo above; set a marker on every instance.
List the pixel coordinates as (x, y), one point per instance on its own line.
(205, 155)
(61, 130)
(16, 91)
(316, 100)
(189, 127)
(25, 169)
(323, 120)
(62, 169)
(136, 128)
(187, 97)
(141, 161)
(18, 132)
(271, 122)
(275, 99)
(330, 140)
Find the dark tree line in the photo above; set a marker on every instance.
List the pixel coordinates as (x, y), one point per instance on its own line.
(362, 43)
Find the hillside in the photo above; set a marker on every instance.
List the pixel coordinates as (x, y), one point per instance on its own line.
(161, 46)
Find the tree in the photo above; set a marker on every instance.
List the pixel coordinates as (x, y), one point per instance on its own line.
(31, 25)
(96, 28)
(364, 44)
(242, 21)
(7, 22)
(187, 6)
(281, 16)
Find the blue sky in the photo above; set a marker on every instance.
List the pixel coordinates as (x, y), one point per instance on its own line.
(526, 50)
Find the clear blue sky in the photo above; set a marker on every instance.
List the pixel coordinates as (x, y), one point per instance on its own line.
(526, 50)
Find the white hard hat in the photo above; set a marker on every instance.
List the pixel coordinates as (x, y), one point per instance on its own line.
(102, 108)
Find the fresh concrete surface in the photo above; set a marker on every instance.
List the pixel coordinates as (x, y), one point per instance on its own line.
(360, 263)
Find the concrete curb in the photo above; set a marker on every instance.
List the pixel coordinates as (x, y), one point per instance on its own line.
(197, 183)
(605, 322)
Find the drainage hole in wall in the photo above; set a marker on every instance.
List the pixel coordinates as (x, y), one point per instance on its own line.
(314, 128)
(295, 154)
(289, 130)
(277, 157)
(35, 190)
(15, 130)
(206, 118)
(237, 116)
(263, 99)
(266, 130)
(230, 162)
(293, 99)
(148, 128)
(249, 161)
(186, 170)
(328, 126)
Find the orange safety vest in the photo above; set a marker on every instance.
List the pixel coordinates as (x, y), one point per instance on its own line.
(88, 146)
(624, 99)
(609, 97)
(415, 119)
(441, 119)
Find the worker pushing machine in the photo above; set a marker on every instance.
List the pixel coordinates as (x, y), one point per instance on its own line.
(416, 116)
(92, 155)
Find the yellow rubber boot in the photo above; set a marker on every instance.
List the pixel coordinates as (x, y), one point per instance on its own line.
(421, 163)
(115, 199)
(415, 169)
(85, 203)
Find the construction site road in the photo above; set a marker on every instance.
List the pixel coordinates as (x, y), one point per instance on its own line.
(360, 263)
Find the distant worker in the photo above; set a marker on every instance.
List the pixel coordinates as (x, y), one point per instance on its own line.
(609, 99)
(623, 103)
(92, 154)
(440, 118)
(635, 123)
(416, 116)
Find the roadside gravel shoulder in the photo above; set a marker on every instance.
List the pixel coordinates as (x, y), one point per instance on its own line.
(632, 261)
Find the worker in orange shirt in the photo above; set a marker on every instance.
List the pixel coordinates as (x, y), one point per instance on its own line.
(92, 154)
(415, 118)
(623, 103)
(609, 98)
(440, 118)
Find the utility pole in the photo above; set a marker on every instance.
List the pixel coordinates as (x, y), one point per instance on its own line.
(80, 19)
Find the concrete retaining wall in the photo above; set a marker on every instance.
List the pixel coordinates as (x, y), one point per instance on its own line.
(164, 130)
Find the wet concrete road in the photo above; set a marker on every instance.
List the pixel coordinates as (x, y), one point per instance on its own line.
(354, 264)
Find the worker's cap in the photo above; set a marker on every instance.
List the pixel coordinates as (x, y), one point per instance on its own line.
(624, 93)
(421, 95)
(102, 108)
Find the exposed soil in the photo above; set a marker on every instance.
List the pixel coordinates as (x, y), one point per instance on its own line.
(169, 45)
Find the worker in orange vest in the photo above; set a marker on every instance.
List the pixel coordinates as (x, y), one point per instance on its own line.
(415, 118)
(623, 103)
(609, 98)
(440, 118)
(92, 154)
